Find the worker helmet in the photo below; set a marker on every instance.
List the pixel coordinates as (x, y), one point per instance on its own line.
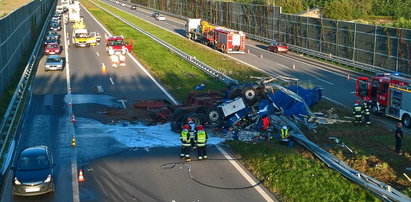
(200, 127)
(357, 101)
(367, 99)
(285, 127)
(186, 127)
(189, 119)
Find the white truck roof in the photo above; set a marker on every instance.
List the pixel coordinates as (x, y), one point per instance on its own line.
(193, 23)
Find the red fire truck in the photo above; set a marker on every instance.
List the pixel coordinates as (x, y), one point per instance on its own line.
(116, 45)
(390, 95)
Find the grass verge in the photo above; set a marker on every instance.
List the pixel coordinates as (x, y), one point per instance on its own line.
(296, 175)
(226, 65)
(8, 6)
(176, 74)
(374, 148)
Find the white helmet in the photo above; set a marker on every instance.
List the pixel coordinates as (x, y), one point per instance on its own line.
(285, 127)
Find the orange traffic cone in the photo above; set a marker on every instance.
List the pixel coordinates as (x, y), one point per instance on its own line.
(293, 66)
(73, 141)
(103, 68)
(348, 77)
(261, 56)
(80, 176)
(248, 51)
(73, 119)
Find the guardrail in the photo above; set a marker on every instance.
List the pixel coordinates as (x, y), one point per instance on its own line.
(382, 190)
(317, 54)
(11, 114)
(202, 66)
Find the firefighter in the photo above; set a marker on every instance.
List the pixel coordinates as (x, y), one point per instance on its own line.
(192, 131)
(284, 135)
(201, 138)
(266, 122)
(357, 112)
(366, 107)
(185, 141)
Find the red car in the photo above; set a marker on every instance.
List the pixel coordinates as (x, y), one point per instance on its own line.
(52, 49)
(277, 46)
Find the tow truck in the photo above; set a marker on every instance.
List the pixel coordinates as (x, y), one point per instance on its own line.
(390, 95)
(116, 45)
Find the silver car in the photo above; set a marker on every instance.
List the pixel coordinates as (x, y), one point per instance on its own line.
(54, 62)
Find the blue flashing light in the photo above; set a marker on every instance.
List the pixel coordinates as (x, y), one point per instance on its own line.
(396, 73)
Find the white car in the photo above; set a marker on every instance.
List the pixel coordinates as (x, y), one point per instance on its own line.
(117, 2)
(161, 18)
(123, 4)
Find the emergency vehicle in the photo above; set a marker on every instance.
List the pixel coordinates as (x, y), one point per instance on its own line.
(116, 45)
(81, 37)
(221, 38)
(390, 95)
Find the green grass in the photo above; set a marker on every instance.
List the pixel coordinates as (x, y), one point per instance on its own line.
(295, 177)
(177, 75)
(224, 64)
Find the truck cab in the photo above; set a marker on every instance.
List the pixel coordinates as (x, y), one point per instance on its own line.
(116, 45)
(389, 94)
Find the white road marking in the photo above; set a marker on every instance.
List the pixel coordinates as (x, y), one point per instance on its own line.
(138, 63)
(112, 82)
(244, 174)
(325, 81)
(353, 92)
(76, 194)
(97, 54)
(334, 101)
(281, 65)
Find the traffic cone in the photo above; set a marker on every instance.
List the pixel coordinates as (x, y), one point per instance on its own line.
(80, 176)
(73, 141)
(248, 51)
(330, 56)
(293, 66)
(261, 56)
(348, 76)
(73, 119)
(103, 68)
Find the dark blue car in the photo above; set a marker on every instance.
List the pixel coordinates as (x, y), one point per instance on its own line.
(33, 174)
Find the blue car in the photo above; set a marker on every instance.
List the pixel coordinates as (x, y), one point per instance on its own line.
(33, 174)
(54, 62)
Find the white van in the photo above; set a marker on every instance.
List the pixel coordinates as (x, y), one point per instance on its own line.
(59, 9)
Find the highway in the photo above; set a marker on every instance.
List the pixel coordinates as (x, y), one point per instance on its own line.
(338, 83)
(114, 171)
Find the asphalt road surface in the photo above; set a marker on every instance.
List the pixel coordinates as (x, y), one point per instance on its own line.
(334, 80)
(113, 171)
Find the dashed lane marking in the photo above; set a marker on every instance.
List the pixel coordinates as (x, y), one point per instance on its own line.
(111, 80)
(97, 54)
(325, 81)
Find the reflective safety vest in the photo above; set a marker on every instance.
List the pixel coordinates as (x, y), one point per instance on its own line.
(357, 111)
(201, 138)
(185, 138)
(366, 107)
(284, 133)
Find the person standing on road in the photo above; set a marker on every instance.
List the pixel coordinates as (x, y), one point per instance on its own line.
(201, 140)
(398, 138)
(357, 112)
(366, 107)
(185, 141)
(192, 132)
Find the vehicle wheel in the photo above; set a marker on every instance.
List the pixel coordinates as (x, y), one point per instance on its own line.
(406, 120)
(178, 115)
(374, 109)
(249, 95)
(214, 115)
(198, 119)
(275, 50)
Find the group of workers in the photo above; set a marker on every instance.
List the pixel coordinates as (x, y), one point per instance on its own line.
(362, 111)
(194, 137)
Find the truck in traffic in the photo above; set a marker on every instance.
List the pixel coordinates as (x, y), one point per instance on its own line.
(116, 45)
(81, 37)
(390, 95)
(74, 11)
(220, 38)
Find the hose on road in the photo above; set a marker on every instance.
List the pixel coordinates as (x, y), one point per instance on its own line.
(188, 165)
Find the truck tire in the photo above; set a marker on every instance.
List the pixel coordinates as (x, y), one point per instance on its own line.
(374, 109)
(406, 120)
(198, 119)
(223, 48)
(249, 95)
(214, 115)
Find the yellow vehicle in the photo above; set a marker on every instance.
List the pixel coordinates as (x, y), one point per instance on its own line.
(81, 37)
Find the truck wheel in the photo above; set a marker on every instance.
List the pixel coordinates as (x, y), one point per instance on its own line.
(249, 95)
(406, 120)
(223, 49)
(213, 115)
(198, 119)
(374, 109)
